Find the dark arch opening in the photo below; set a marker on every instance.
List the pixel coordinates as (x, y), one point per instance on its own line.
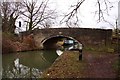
(55, 42)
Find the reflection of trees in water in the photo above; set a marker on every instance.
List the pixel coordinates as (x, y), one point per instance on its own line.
(27, 65)
(20, 71)
(50, 55)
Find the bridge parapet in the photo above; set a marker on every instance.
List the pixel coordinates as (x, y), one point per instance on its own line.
(87, 36)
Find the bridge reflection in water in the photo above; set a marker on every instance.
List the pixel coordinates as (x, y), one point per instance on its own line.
(27, 64)
(31, 64)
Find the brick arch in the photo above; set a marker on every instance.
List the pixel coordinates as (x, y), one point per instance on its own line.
(88, 36)
(57, 38)
(47, 38)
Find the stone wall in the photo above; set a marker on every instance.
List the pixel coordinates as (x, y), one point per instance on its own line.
(87, 36)
(84, 35)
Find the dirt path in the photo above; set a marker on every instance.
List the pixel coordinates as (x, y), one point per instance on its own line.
(93, 65)
(100, 65)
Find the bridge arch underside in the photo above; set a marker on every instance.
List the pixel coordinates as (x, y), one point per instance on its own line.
(55, 42)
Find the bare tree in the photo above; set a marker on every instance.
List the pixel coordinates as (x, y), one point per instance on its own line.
(37, 14)
(47, 24)
(10, 13)
(100, 11)
(72, 14)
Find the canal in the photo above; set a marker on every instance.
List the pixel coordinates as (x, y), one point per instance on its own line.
(30, 64)
(27, 64)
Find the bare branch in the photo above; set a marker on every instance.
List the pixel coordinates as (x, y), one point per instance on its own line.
(36, 14)
(71, 14)
(101, 12)
(38, 8)
(10, 13)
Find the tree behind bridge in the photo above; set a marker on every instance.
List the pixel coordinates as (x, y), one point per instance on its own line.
(37, 14)
(10, 12)
(103, 8)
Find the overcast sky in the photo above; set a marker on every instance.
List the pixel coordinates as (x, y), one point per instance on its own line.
(86, 13)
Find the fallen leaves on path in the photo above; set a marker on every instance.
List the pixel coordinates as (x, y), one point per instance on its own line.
(93, 65)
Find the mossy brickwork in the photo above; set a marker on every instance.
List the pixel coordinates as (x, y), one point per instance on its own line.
(87, 36)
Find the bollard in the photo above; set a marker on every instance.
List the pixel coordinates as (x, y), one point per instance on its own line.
(80, 54)
(80, 47)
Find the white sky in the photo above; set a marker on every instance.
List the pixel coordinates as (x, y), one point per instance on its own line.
(119, 15)
(86, 13)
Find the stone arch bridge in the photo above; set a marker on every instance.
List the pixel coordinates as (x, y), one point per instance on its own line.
(86, 36)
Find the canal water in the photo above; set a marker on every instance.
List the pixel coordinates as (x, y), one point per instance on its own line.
(27, 64)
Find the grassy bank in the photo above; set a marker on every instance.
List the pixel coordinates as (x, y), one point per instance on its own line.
(94, 65)
(12, 43)
(67, 65)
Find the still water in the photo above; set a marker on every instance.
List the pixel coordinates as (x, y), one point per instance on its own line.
(30, 64)
(27, 64)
